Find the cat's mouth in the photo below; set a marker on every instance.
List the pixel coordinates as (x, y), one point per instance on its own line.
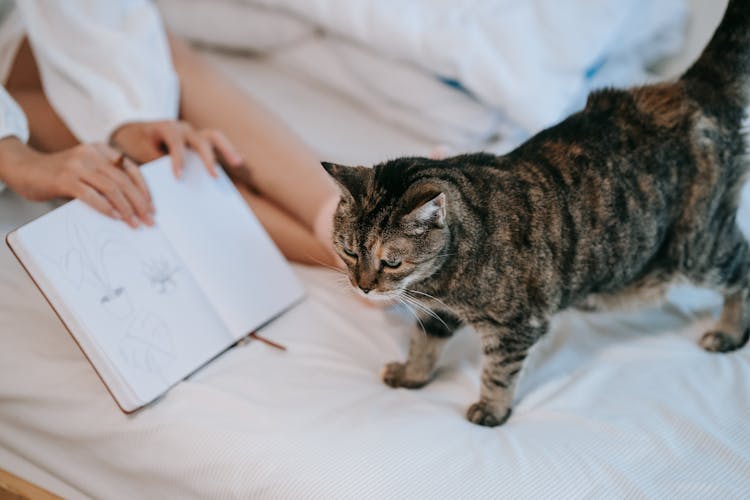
(377, 296)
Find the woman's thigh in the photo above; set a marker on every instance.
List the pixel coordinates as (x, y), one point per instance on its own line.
(285, 170)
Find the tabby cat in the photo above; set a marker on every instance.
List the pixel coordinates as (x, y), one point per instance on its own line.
(638, 189)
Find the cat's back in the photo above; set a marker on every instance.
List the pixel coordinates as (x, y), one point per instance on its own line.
(620, 124)
(658, 135)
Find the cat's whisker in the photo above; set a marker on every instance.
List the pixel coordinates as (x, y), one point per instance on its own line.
(344, 283)
(431, 313)
(406, 305)
(414, 303)
(342, 280)
(426, 295)
(328, 266)
(425, 309)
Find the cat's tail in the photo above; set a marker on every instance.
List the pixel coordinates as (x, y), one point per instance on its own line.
(723, 70)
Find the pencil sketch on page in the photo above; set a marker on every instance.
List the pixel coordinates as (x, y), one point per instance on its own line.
(148, 344)
(84, 264)
(161, 274)
(102, 265)
(130, 291)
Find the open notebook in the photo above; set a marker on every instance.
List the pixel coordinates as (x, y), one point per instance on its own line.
(150, 306)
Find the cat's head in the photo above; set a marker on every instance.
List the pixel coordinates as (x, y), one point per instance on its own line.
(390, 228)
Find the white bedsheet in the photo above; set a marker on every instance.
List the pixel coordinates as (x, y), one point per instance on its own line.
(616, 405)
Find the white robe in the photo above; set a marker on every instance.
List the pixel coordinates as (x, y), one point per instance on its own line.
(102, 63)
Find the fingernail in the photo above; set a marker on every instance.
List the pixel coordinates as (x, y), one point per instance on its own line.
(148, 220)
(134, 222)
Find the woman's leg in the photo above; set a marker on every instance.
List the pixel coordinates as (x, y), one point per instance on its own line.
(294, 241)
(47, 131)
(283, 169)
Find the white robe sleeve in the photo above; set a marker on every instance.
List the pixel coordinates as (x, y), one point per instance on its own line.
(102, 63)
(12, 121)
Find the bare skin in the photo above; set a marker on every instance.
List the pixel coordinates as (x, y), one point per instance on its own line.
(278, 175)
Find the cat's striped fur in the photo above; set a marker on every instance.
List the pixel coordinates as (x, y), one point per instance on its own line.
(638, 189)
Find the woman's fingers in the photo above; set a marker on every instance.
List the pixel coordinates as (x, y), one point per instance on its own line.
(224, 147)
(139, 140)
(132, 171)
(106, 152)
(134, 195)
(92, 198)
(144, 141)
(148, 150)
(173, 137)
(205, 150)
(113, 193)
(176, 136)
(108, 175)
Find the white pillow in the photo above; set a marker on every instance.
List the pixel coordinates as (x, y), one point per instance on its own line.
(233, 25)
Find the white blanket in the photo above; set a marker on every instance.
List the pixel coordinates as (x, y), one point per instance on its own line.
(529, 57)
(519, 64)
(397, 92)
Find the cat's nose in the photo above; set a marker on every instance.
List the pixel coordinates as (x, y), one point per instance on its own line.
(367, 281)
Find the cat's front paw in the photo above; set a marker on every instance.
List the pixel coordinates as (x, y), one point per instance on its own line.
(395, 375)
(718, 341)
(480, 413)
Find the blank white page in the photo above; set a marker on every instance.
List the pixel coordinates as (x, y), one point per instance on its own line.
(227, 250)
(132, 294)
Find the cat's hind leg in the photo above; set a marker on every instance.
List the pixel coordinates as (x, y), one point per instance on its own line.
(427, 342)
(733, 271)
(732, 330)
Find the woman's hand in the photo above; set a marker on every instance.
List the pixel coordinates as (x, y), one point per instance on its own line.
(146, 141)
(94, 173)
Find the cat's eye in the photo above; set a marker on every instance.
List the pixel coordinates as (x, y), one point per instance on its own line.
(350, 253)
(392, 263)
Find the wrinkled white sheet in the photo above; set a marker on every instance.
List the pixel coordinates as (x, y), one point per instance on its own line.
(528, 57)
(397, 92)
(525, 64)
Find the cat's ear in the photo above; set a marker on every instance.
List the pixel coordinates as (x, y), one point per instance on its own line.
(429, 209)
(351, 180)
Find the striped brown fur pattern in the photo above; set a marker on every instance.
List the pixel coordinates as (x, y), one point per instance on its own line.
(637, 190)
